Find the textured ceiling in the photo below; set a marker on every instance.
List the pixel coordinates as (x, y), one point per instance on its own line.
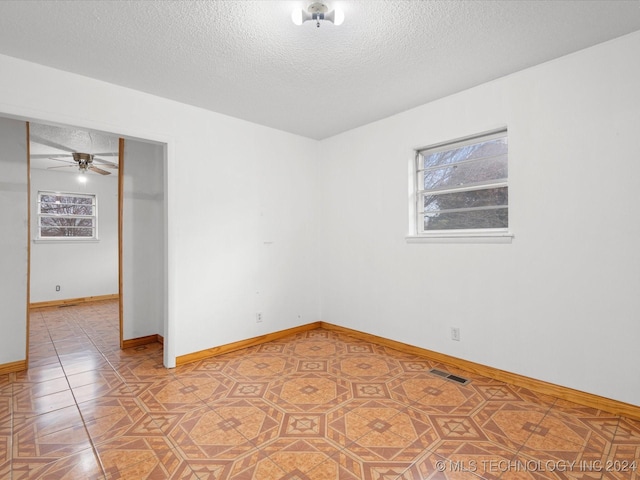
(248, 60)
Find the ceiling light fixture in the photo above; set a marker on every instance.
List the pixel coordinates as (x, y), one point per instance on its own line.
(317, 11)
(84, 160)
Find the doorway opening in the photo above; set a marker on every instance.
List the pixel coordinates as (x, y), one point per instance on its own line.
(74, 215)
(98, 227)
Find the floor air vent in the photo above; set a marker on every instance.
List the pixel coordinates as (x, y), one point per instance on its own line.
(449, 376)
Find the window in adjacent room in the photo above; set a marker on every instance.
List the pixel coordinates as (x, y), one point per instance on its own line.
(67, 216)
(462, 186)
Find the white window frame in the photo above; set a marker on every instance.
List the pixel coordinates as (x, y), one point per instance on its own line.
(41, 215)
(417, 234)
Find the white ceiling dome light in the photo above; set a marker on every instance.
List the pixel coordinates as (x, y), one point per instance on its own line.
(317, 11)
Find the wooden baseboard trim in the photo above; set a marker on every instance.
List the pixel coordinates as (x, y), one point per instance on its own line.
(250, 342)
(12, 367)
(72, 301)
(565, 393)
(136, 342)
(576, 396)
(160, 339)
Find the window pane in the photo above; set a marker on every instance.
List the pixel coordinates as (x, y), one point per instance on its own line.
(50, 232)
(66, 209)
(83, 232)
(82, 210)
(66, 222)
(73, 199)
(476, 198)
(498, 218)
(467, 173)
(53, 208)
(48, 198)
(489, 148)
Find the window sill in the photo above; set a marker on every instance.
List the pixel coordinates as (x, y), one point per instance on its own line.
(66, 240)
(462, 237)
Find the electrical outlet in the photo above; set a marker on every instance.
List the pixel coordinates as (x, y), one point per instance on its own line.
(258, 317)
(57, 288)
(455, 334)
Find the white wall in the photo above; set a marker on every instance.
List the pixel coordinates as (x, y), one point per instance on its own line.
(561, 303)
(14, 201)
(82, 269)
(242, 203)
(144, 295)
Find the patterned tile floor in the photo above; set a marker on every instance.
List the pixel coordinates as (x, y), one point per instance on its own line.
(313, 406)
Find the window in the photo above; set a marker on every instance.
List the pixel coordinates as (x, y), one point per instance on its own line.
(66, 215)
(462, 186)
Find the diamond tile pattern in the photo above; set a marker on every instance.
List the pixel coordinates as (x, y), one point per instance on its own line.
(317, 405)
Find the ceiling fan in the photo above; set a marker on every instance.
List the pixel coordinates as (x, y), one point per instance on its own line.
(84, 162)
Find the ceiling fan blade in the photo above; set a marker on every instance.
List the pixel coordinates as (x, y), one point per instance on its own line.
(106, 154)
(99, 170)
(48, 143)
(62, 166)
(104, 163)
(70, 162)
(49, 155)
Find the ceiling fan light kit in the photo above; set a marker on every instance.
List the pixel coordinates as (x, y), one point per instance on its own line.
(85, 163)
(84, 160)
(317, 11)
